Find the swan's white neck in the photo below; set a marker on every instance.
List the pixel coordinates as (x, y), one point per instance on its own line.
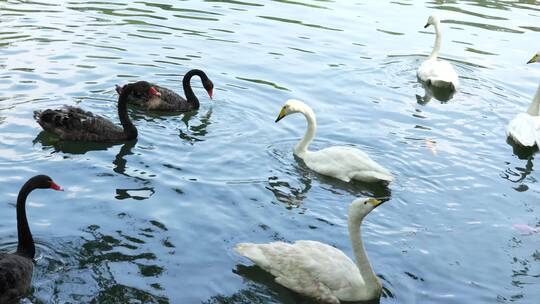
(302, 147)
(437, 46)
(533, 108)
(362, 262)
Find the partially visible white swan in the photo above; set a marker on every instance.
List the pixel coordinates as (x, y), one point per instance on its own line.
(342, 162)
(525, 127)
(434, 72)
(319, 270)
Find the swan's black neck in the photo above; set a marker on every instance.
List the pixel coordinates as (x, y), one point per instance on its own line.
(26, 246)
(129, 128)
(186, 82)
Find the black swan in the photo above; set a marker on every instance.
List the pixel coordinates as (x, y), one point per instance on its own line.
(75, 124)
(16, 268)
(169, 100)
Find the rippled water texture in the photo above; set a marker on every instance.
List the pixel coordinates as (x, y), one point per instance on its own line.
(155, 220)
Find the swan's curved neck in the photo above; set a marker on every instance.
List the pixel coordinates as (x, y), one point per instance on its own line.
(533, 108)
(188, 91)
(301, 148)
(129, 128)
(25, 246)
(437, 46)
(362, 262)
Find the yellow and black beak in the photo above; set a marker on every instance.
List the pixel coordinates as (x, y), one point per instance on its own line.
(282, 114)
(375, 202)
(534, 59)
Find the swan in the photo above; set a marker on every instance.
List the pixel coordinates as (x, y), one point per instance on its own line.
(434, 72)
(318, 270)
(341, 162)
(535, 58)
(524, 129)
(16, 268)
(171, 101)
(75, 124)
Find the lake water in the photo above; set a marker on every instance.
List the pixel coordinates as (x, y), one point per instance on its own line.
(155, 221)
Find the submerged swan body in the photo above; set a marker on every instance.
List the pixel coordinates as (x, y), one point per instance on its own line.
(170, 101)
(319, 270)
(342, 162)
(16, 268)
(434, 72)
(524, 129)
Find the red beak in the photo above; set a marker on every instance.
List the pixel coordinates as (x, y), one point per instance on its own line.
(210, 93)
(56, 187)
(155, 92)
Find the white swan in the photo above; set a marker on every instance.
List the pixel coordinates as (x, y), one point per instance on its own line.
(319, 270)
(524, 129)
(434, 72)
(344, 163)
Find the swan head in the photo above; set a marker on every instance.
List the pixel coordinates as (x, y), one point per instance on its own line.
(535, 58)
(44, 182)
(360, 207)
(208, 86)
(292, 106)
(432, 20)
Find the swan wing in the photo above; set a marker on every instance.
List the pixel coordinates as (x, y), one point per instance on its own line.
(310, 268)
(524, 129)
(438, 73)
(71, 123)
(15, 277)
(168, 101)
(347, 163)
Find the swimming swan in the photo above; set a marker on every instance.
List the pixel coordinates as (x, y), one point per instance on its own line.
(434, 72)
(341, 162)
(524, 129)
(319, 270)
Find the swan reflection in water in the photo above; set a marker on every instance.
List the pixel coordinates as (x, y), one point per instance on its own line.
(69, 147)
(195, 133)
(519, 174)
(443, 94)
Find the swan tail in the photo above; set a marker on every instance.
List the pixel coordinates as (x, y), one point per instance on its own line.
(118, 89)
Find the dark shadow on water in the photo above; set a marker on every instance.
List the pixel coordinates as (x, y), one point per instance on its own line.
(520, 151)
(443, 94)
(119, 162)
(262, 288)
(48, 140)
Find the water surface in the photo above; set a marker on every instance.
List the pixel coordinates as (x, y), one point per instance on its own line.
(155, 220)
